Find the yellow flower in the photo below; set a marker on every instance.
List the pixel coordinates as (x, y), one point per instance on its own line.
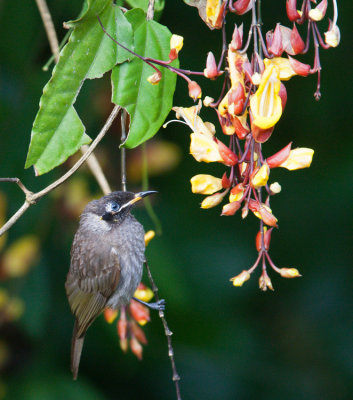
(261, 176)
(241, 278)
(333, 36)
(298, 158)
(265, 104)
(285, 69)
(194, 121)
(214, 200)
(275, 188)
(205, 184)
(143, 293)
(213, 10)
(149, 236)
(203, 148)
(176, 42)
(289, 273)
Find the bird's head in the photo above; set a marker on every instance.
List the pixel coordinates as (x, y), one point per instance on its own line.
(116, 205)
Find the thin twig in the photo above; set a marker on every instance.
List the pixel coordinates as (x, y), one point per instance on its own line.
(123, 150)
(31, 198)
(168, 333)
(49, 28)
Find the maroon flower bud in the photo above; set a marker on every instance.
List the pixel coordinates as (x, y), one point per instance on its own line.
(276, 46)
(296, 41)
(194, 90)
(299, 67)
(236, 99)
(291, 8)
(267, 239)
(211, 70)
(229, 158)
(280, 157)
(225, 181)
(237, 38)
(242, 6)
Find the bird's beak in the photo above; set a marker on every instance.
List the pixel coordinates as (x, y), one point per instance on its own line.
(139, 196)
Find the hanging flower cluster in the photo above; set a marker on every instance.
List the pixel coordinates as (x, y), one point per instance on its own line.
(252, 100)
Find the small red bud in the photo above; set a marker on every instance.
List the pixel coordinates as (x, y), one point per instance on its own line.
(194, 90)
(242, 6)
(231, 208)
(280, 157)
(240, 130)
(299, 67)
(291, 8)
(211, 70)
(283, 95)
(296, 41)
(173, 54)
(225, 181)
(239, 188)
(237, 38)
(229, 158)
(236, 98)
(276, 46)
(267, 239)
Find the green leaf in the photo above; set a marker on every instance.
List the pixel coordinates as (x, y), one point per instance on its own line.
(158, 6)
(148, 105)
(57, 131)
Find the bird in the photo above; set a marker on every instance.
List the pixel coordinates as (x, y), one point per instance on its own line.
(107, 257)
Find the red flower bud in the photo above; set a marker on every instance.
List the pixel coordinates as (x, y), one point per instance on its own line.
(138, 333)
(110, 315)
(242, 6)
(296, 41)
(231, 208)
(173, 54)
(225, 181)
(194, 90)
(280, 157)
(276, 46)
(291, 8)
(136, 347)
(239, 188)
(139, 312)
(236, 99)
(299, 67)
(229, 158)
(261, 135)
(240, 130)
(211, 70)
(237, 38)
(267, 239)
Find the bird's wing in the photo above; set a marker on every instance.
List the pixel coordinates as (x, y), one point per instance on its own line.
(90, 282)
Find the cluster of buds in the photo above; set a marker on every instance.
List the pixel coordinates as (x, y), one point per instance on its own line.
(130, 320)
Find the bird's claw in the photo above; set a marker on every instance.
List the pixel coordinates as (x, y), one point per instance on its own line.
(159, 305)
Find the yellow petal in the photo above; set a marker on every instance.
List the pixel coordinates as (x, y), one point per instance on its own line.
(285, 69)
(144, 294)
(261, 177)
(176, 42)
(333, 36)
(204, 148)
(205, 184)
(289, 273)
(298, 158)
(193, 120)
(241, 278)
(149, 236)
(214, 200)
(265, 104)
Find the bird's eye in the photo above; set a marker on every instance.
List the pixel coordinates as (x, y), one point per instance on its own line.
(114, 206)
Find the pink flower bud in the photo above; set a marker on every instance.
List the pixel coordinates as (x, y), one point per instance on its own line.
(242, 6)
(261, 135)
(194, 90)
(296, 41)
(241, 127)
(280, 157)
(276, 46)
(173, 54)
(236, 99)
(136, 347)
(138, 333)
(237, 38)
(318, 13)
(211, 70)
(122, 328)
(229, 158)
(155, 78)
(299, 67)
(291, 7)
(283, 95)
(139, 312)
(231, 208)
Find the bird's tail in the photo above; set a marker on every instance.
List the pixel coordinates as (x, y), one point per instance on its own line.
(76, 349)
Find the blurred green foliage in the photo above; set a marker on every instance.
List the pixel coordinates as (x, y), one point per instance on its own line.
(230, 343)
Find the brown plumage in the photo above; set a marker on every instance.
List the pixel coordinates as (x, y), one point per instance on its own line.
(107, 256)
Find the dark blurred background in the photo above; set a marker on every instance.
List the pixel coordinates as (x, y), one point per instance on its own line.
(230, 343)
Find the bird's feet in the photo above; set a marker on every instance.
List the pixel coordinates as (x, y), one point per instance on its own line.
(158, 305)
